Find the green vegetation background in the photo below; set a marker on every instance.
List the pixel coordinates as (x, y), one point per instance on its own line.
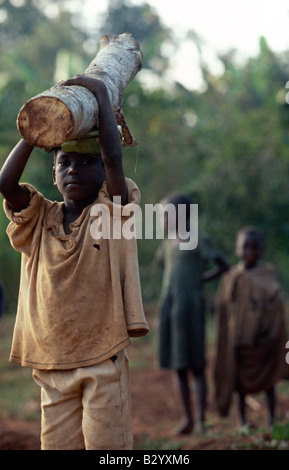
(227, 145)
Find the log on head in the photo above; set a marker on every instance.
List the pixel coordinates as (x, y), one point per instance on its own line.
(68, 112)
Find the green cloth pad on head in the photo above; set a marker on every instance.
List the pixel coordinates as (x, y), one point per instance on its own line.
(88, 144)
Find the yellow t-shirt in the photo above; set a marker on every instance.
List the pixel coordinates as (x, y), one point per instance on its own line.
(79, 299)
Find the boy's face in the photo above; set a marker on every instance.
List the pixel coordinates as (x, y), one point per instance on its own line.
(249, 249)
(78, 177)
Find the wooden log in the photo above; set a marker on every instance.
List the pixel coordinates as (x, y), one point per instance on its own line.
(68, 112)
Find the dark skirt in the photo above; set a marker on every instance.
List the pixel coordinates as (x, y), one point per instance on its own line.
(182, 331)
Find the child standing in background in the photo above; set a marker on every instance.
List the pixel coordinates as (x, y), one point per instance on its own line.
(251, 332)
(182, 310)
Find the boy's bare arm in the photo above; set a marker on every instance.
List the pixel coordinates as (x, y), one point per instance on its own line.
(108, 135)
(17, 196)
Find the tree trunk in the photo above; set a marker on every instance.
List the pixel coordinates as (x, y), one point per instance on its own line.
(68, 112)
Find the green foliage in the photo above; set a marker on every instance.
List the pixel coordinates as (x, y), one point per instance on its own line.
(226, 146)
(280, 432)
(145, 26)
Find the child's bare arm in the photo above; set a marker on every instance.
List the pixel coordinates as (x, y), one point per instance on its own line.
(17, 196)
(216, 272)
(108, 135)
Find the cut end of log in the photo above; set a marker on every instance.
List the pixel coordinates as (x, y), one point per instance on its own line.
(36, 126)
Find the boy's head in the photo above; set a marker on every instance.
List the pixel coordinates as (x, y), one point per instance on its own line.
(250, 244)
(78, 177)
(78, 169)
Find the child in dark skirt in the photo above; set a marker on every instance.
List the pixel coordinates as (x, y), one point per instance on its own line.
(182, 310)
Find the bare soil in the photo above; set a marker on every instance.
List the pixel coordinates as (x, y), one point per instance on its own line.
(157, 416)
(157, 413)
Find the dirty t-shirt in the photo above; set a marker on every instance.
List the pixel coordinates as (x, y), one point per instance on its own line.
(80, 298)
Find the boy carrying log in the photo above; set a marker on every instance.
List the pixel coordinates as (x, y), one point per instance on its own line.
(79, 302)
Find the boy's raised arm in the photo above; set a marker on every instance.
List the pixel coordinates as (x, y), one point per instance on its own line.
(108, 135)
(17, 196)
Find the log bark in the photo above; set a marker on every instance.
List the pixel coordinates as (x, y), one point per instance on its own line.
(63, 113)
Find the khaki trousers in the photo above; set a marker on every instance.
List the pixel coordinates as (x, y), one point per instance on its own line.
(86, 408)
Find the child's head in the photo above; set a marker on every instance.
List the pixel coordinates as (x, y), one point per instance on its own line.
(176, 200)
(78, 177)
(250, 245)
(78, 169)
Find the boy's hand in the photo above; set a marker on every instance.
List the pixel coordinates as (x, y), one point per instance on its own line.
(96, 86)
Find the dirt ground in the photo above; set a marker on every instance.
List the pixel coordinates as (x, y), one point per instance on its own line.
(156, 413)
(161, 418)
